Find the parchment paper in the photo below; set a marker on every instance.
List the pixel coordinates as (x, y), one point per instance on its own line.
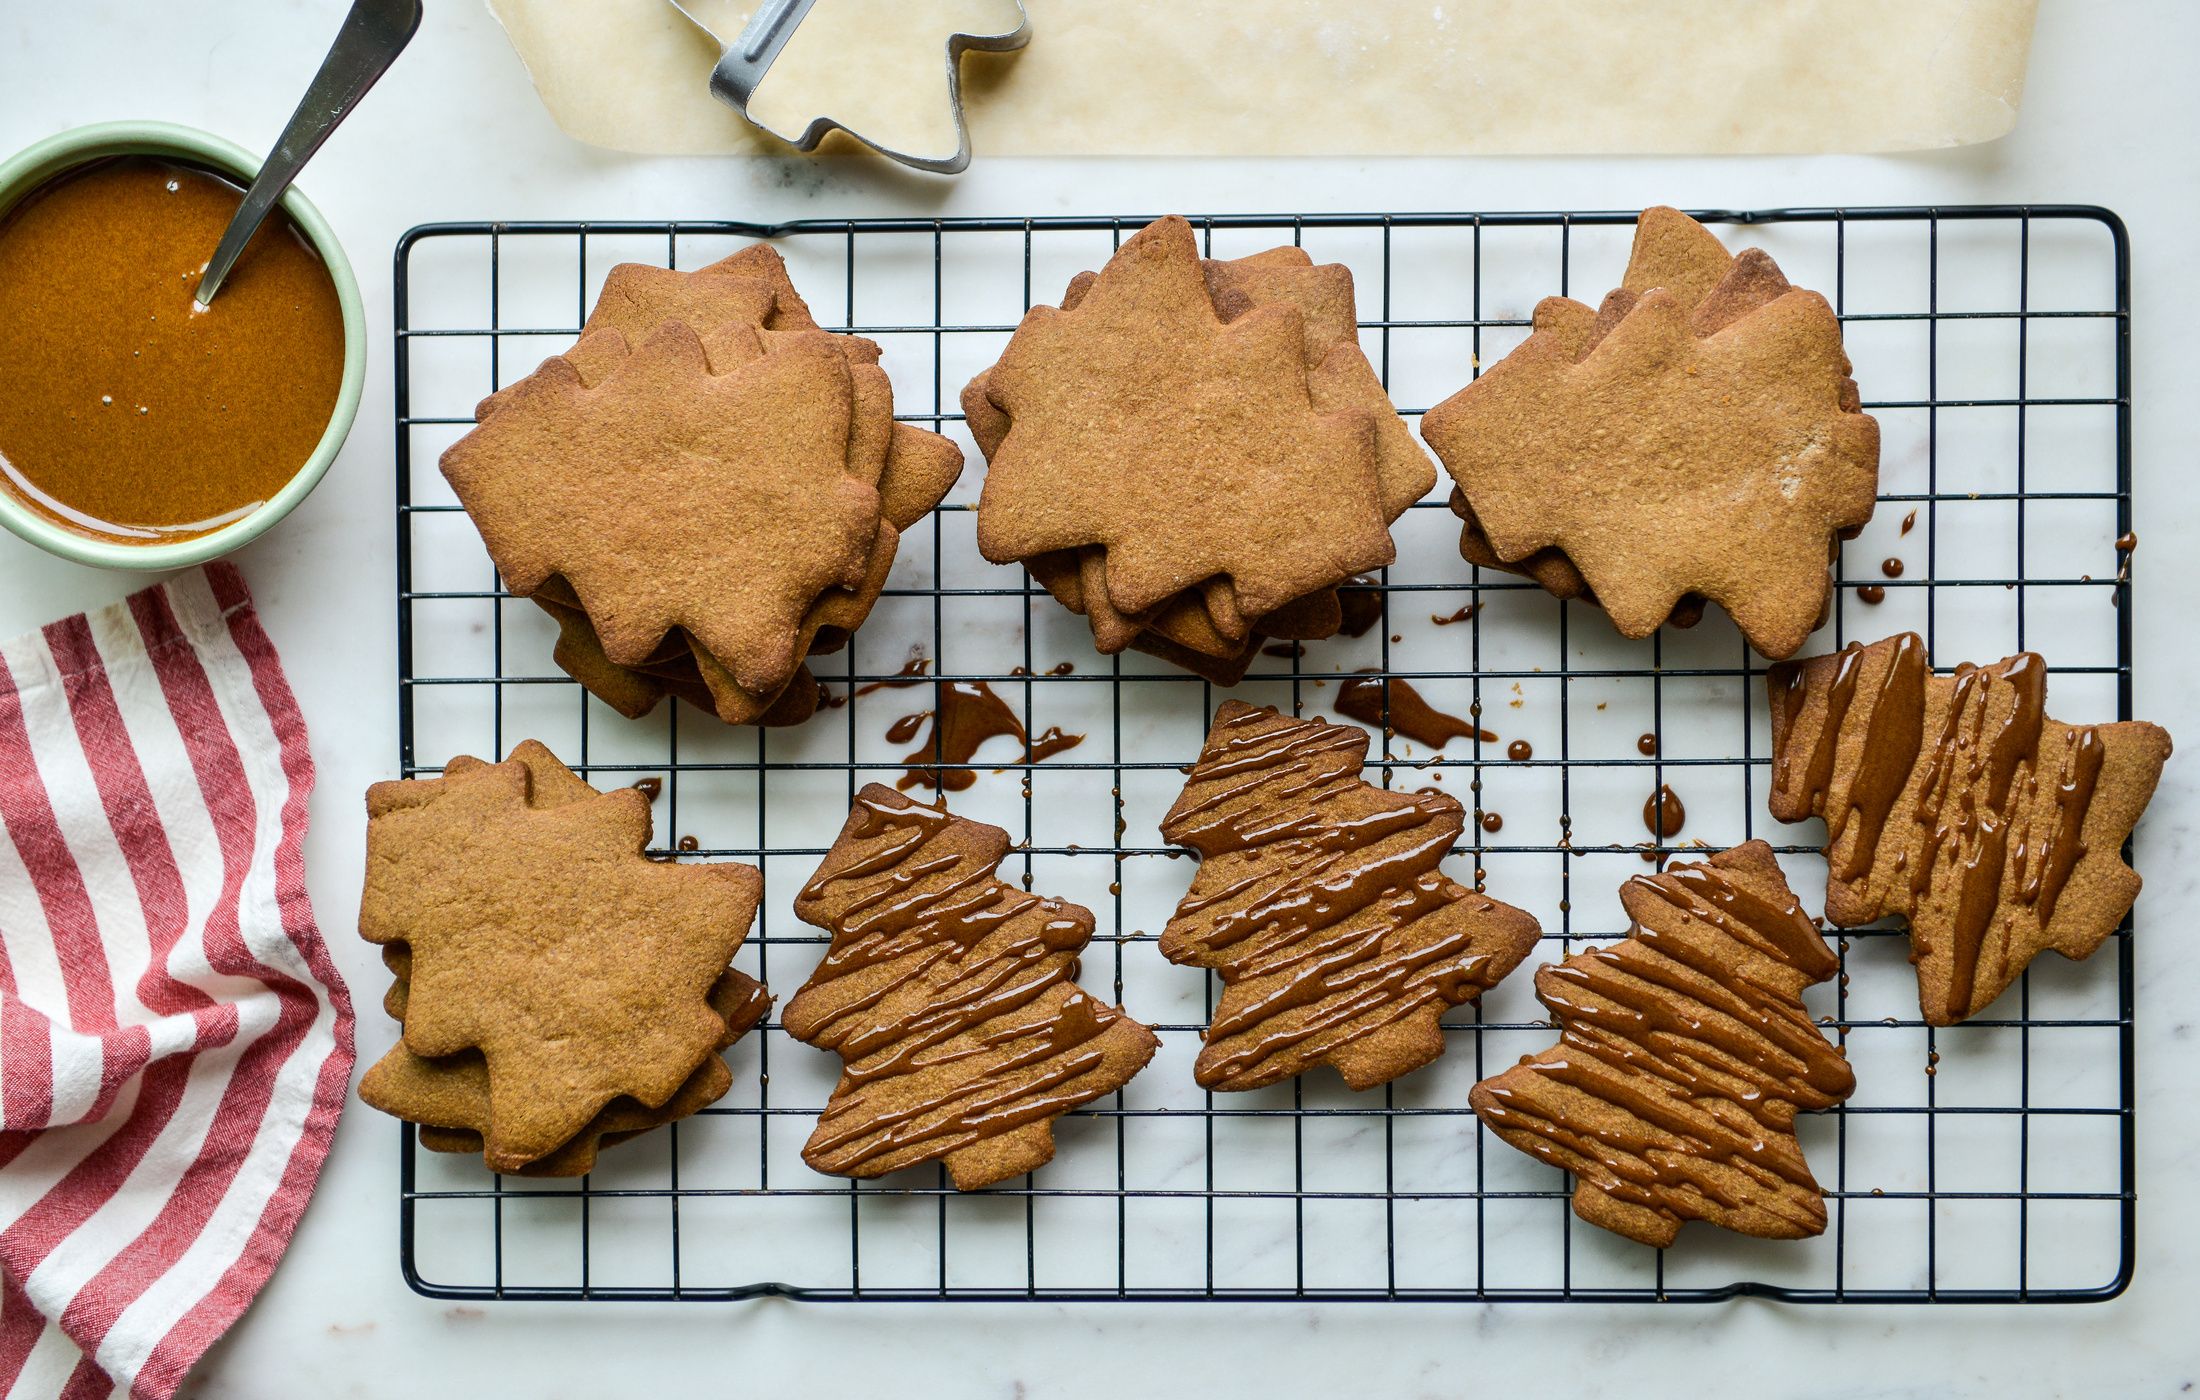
(1328, 77)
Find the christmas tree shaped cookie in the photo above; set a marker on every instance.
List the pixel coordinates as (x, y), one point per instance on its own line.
(704, 491)
(949, 996)
(556, 987)
(448, 1097)
(1684, 1055)
(1320, 902)
(1957, 803)
(1697, 437)
(1193, 453)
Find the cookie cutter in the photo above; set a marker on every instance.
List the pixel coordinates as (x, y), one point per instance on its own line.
(749, 57)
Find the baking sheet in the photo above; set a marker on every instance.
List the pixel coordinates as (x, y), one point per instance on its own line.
(1325, 77)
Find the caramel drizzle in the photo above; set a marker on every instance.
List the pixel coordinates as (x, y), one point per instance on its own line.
(1336, 921)
(1963, 808)
(1024, 1035)
(1669, 1022)
(1893, 731)
(2044, 867)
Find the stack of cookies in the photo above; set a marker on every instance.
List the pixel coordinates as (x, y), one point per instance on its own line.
(705, 490)
(1696, 438)
(1194, 453)
(558, 991)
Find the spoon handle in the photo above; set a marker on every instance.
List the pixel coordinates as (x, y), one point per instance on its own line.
(373, 35)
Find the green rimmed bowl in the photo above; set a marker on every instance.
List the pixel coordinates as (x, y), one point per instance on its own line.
(23, 173)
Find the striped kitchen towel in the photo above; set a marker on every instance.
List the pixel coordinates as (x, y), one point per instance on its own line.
(174, 1042)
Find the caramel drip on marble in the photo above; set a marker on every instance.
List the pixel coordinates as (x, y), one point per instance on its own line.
(1691, 1039)
(998, 1008)
(1328, 920)
(911, 673)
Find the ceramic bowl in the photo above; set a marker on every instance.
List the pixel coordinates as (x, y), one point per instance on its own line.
(24, 173)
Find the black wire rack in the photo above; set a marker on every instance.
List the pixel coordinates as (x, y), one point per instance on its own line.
(1990, 1162)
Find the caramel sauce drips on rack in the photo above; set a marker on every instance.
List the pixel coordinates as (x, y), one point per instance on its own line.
(1366, 699)
(969, 713)
(911, 673)
(1663, 814)
(1691, 1036)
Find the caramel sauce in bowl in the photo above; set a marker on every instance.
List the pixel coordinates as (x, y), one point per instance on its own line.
(139, 430)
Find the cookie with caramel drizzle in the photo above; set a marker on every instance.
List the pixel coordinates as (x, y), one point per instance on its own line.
(949, 996)
(1320, 902)
(1957, 803)
(1684, 1054)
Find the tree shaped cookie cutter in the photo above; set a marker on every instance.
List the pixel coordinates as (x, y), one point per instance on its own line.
(751, 54)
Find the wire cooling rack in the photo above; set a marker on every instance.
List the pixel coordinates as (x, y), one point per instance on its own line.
(1988, 1162)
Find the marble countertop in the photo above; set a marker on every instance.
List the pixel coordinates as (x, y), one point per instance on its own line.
(455, 133)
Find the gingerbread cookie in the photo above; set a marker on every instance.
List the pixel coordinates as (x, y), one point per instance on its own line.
(704, 491)
(1320, 902)
(1684, 1055)
(1252, 460)
(948, 994)
(448, 1097)
(1697, 437)
(543, 942)
(1956, 803)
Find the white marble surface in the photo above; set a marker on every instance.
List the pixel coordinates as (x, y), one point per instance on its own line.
(454, 133)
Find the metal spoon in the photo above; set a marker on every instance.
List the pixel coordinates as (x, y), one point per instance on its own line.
(374, 34)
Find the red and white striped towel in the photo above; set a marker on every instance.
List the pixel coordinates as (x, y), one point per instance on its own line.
(174, 1042)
